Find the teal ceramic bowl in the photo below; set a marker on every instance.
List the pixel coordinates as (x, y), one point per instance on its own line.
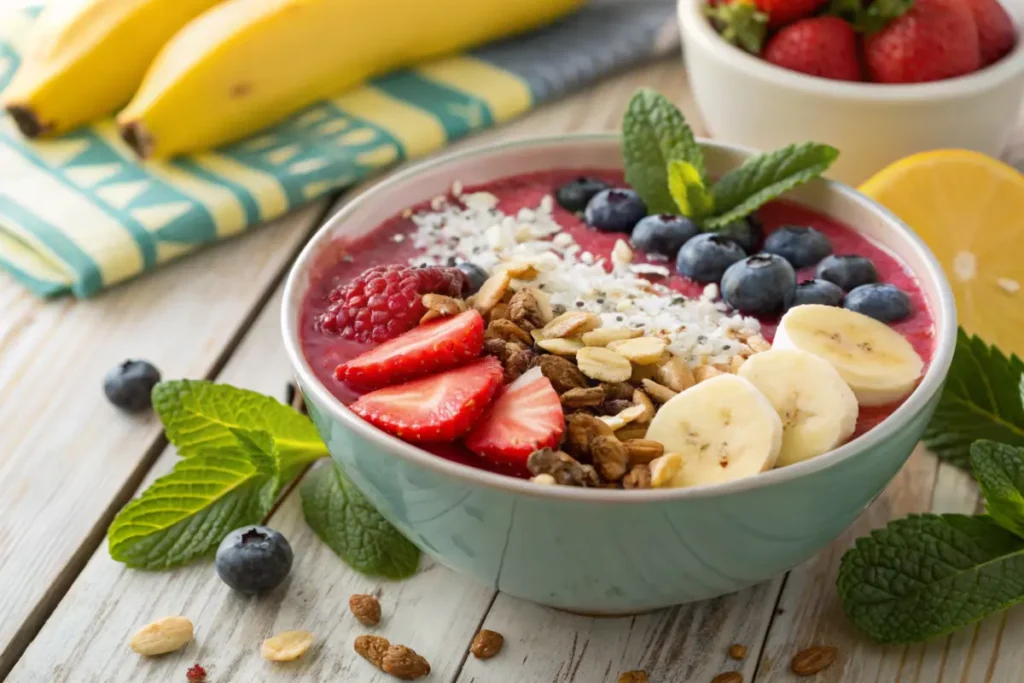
(607, 551)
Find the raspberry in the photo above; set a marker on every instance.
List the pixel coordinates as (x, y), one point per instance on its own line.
(196, 674)
(385, 301)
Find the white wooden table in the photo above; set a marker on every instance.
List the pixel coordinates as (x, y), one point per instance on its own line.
(69, 461)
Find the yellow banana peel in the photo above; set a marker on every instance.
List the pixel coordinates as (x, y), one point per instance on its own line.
(87, 60)
(246, 64)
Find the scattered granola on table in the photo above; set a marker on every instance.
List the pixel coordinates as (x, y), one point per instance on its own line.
(396, 660)
(737, 651)
(486, 644)
(365, 608)
(636, 676)
(286, 646)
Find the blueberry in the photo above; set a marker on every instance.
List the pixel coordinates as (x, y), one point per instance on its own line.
(129, 385)
(475, 277)
(818, 292)
(801, 246)
(253, 559)
(747, 232)
(762, 284)
(847, 271)
(887, 303)
(615, 210)
(705, 257)
(663, 233)
(574, 195)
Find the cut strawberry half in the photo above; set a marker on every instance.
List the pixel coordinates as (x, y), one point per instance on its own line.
(440, 407)
(421, 351)
(525, 417)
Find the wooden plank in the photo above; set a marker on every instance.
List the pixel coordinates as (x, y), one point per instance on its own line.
(67, 458)
(86, 638)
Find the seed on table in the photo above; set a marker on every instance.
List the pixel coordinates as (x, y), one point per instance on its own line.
(486, 644)
(814, 659)
(287, 646)
(632, 677)
(162, 636)
(738, 651)
(365, 608)
(728, 677)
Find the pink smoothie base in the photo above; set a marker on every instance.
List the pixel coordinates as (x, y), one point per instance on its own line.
(325, 353)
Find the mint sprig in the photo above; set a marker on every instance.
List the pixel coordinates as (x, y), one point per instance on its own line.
(184, 515)
(240, 450)
(659, 151)
(344, 520)
(999, 470)
(983, 399)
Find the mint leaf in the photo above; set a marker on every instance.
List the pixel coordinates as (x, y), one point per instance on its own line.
(654, 133)
(764, 177)
(352, 527)
(688, 191)
(185, 514)
(983, 399)
(200, 415)
(999, 470)
(928, 575)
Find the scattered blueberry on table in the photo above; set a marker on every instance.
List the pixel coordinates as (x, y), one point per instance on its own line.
(801, 246)
(129, 385)
(253, 559)
(706, 257)
(883, 302)
(847, 270)
(615, 210)
(820, 292)
(663, 233)
(762, 284)
(575, 194)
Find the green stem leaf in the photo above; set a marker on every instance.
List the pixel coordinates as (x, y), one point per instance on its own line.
(352, 527)
(928, 575)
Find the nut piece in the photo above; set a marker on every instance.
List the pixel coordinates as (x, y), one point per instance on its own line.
(444, 305)
(403, 662)
(641, 399)
(498, 348)
(518, 363)
(814, 659)
(162, 636)
(563, 374)
(562, 467)
(614, 407)
(737, 651)
(658, 392)
(639, 477)
(665, 471)
(705, 372)
(675, 374)
(287, 646)
(728, 677)
(603, 336)
(499, 312)
(491, 291)
(372, 648)
(618, 391)
(603, 365)
(631, 431)
(365, 608)
(757, 344)
(561, 347)
(581, 429)
(642, 350)
(529, 309)
(643, 451)
(583, 397)
(509, 331)
(610, 457)
(486, 644)
(571, 324)
(632, 677)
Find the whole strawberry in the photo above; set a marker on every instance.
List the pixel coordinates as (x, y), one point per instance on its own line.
(782, 12)
(934, 40)
(745, 22)
(996, 35)
(822, 46)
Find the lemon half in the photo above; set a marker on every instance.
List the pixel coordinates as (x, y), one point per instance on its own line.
(969, 209)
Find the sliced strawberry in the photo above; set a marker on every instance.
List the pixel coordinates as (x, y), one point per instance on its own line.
(421, 351)
(526, 416)
(440, 407)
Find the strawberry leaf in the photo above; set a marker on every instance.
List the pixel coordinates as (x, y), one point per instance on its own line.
(764, 177)
(870, 18)
(983, 399)
(739, 23)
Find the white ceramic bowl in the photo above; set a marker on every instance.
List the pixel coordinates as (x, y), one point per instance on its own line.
(745, 100)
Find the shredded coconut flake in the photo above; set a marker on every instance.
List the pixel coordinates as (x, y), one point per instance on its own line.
(700, 330)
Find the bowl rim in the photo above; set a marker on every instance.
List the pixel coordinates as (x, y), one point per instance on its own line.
(945, 335)
(695, 27)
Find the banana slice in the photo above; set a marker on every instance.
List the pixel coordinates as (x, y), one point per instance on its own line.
(875, 360)
(817, 407)
(724, 429)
